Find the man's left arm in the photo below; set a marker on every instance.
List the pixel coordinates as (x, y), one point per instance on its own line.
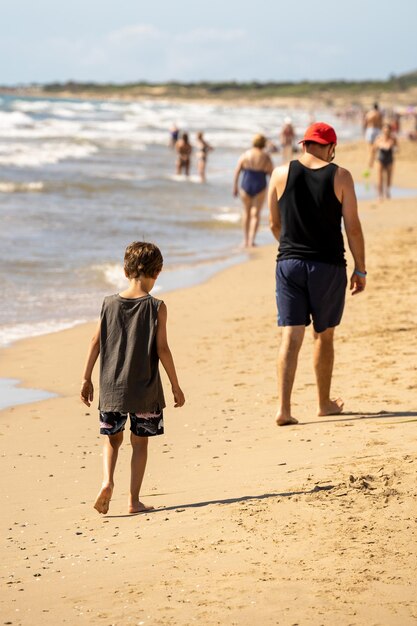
(353, 228)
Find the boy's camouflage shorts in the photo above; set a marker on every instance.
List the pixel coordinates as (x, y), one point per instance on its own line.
(141, 424)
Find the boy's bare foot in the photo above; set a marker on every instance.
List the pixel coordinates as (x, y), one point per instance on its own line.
(103, 499)
(140, 508)
(285, 420)
(332, 407)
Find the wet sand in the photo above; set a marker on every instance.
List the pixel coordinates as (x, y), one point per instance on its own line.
(311, 525)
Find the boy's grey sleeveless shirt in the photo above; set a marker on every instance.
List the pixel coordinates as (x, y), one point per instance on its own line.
(129, 374)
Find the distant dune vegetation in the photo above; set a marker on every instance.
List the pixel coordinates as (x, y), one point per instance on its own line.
(232, 89)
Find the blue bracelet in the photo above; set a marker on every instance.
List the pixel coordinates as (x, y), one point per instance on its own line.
(361, 274)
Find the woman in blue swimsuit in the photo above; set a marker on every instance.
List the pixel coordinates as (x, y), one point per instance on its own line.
(383, 150)
(255, 165)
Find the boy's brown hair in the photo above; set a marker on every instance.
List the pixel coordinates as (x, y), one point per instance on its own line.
(142, 259)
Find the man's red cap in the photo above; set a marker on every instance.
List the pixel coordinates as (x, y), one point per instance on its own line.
(320, 133)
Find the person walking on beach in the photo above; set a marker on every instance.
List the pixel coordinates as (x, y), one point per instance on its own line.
(256, 165)
(131, 338)
(287, 138)
(372, 124)
(184, 150)
(383, 150)
(308, 199)
(203, 149)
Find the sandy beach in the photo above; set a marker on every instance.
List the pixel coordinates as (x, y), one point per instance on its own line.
(313, 524)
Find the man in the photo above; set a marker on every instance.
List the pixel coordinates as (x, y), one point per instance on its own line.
(308, 198)
(372, 124)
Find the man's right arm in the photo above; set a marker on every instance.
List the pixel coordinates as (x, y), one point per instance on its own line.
(353, 228)
(87, 388)
(236, 175)
(274, 215)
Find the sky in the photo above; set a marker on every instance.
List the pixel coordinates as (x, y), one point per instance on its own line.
(191, 40)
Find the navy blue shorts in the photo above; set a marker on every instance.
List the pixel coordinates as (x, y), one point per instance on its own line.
(141, 424)
(308, 290)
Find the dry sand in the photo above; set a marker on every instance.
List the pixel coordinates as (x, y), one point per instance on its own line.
(255, 525)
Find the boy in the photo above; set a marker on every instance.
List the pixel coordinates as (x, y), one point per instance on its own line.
(131, 338)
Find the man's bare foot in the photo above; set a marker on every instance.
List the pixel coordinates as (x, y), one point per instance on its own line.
(103, 499)
(140, 508)
(285, 421)
(332, 407)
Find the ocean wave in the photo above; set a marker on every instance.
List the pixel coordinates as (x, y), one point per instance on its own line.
(181, 178)
(148, 122)
(125, 176)
(135, 124)
(24, 155)
(228, 217)
(56, 107)
(32, 106)
(15, 332)
(21, 187)
(114, 276)
(14, 119)
(112, 273)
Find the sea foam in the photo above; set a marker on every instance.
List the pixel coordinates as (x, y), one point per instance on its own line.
(21, 187)
(24, 155)
(14, 332)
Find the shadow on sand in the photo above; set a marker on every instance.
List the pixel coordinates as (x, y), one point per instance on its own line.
(197, 505)
(344, 417)
(350, 416)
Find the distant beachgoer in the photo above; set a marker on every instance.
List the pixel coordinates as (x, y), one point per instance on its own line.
(131, 339)
(395, 122)
(412, 135)
(271, 147)
(183, 149)
(383, 150)
(256, 165)
(287, 138)
(203, 149)
(372, 124)
(173, 135)
(308, 199)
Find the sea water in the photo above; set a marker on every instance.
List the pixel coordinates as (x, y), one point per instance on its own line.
(80, 179)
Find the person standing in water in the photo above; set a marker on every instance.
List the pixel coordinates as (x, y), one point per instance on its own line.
(255, 165)
(173, 135)
(203, 149)
(183, 149)
(287, 138)
(383, 150)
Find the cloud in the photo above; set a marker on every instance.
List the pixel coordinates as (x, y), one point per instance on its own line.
(134, 32)
(143, 51)
(211, 35)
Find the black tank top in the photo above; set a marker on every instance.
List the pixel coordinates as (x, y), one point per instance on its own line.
(129, 373)
(311, 216)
